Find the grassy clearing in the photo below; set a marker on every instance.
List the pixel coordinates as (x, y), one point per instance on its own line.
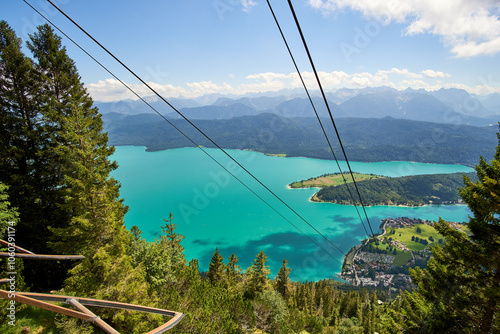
(401, 257)
(332, 180)
(38, 320)
(407, 232)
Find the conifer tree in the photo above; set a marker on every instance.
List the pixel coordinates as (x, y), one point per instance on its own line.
(283, 281)
(173, 241)
(233, 272)
(91, 196)
(162, 259)
(27, 163)
(258, 273)
(216, 269)
(459, 291)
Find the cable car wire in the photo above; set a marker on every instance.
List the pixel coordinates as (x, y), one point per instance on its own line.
(227, 154)
(316, 113)
(329, 111)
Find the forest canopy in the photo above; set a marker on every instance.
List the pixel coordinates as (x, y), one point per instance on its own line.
(408, 190)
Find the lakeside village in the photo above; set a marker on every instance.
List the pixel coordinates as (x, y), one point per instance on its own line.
(385, 260)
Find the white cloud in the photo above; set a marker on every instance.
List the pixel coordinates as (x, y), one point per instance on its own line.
(435, 74)
(112, 90)
(469, 27)
(404, 72)
(247, 4)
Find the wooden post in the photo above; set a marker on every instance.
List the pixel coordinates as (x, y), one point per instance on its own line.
(98, 321)
(46, 306)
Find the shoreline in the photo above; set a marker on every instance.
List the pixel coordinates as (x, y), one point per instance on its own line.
(388, 205)
(277, 155)
(315, 199)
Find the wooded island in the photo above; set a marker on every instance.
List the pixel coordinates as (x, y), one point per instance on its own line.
(414, 190)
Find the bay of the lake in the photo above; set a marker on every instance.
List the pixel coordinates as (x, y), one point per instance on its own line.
(213, 209)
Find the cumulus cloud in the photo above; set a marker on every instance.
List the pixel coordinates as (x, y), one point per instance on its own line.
(435, 74)
(469, 27)
(403, 72)
(112, 90)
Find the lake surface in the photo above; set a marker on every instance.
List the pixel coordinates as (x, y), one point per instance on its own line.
(213, 209)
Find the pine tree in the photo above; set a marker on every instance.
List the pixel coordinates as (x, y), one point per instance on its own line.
(459, 291)
(283, 281)
(258, 273)
(233, 273)
(161, 261)
(216, 269)
(27, 163)
(91, 196)
(173, 241)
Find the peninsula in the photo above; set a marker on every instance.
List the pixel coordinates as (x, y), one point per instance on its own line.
(414, 190)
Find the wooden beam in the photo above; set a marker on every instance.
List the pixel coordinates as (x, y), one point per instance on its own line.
(18, 297)
(100, 303)
(36, 299)
(6, 244)
(168, 325)
(98, 321)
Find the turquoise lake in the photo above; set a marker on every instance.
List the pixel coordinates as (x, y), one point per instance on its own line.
(213, 209)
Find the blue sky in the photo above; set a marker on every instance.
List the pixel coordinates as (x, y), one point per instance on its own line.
(194, 47)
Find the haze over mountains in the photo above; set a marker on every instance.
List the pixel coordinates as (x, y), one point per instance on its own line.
(453, 106)
(375, 124)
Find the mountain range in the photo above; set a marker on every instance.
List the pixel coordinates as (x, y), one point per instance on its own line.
(450, 106)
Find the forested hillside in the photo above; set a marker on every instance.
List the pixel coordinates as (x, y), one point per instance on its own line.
(366, 140)
(408, 190)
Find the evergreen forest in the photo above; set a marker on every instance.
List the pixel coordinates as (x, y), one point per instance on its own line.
(412, 190)
(58, 195)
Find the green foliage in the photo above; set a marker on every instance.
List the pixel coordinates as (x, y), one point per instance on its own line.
(108, 277)
(216, 269)
(407, 190)
(27, 163)
(257, 275)
(8, 225)
(283, 284)
(459, 291)
(270, 311)
(70, 325)
(91, 196)
(8, 215)
(36, 319)
(233, 273)
(162, 258)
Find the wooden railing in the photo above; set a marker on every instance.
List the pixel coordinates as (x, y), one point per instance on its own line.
(41, 300)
